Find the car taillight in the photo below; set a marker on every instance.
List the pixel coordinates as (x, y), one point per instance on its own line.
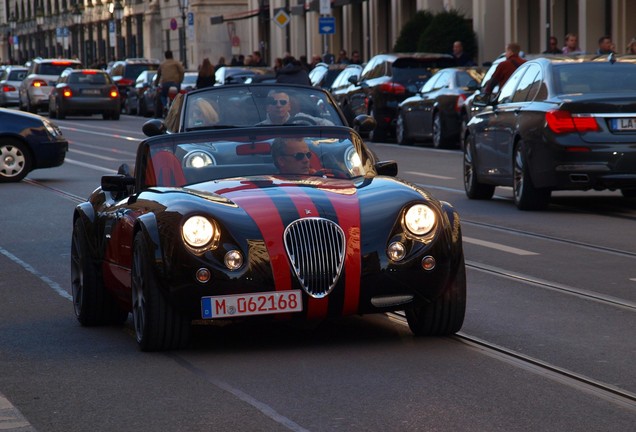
(124, 82)
(38, 83)
(392, 88)
(461, 99)
(114, 93)
(67, 93)
(8, 88)
(563, 122)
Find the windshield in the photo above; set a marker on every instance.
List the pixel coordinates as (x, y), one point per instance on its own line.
(334, 153)
(251, 105)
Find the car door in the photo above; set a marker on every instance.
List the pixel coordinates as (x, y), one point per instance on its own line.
(414, 109)
(430, 100)
(494, 137)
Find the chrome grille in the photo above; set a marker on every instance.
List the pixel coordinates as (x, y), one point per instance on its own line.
(316, 249)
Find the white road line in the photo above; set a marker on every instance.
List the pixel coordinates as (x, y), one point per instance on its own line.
(86, 165)
(72, 150)
(429, 175)
(11, 419)
(112, 135)
(497, 246)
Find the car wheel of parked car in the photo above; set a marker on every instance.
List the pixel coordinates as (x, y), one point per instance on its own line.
(526, 196)
(92, 303)
(474, 189)
(440, 139)
(158, 326)
(445, 315)
(52, 112)
(380, 132)
(15, 160)
(131, 109)
(401, 132)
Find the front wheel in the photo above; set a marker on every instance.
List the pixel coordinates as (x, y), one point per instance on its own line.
(401, 131)
(526, 195)
(445, 315)
(158, 325)
(92, 303)
(15, 160)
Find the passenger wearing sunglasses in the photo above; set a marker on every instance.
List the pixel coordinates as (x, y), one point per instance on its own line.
(279, 112)
(291, 156)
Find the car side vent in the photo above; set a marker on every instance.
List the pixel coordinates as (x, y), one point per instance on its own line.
(316, 250)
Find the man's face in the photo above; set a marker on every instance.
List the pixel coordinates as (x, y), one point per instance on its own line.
(606, 45)
(457, 48)
(295, 158)
(571, 42)
(278, 107)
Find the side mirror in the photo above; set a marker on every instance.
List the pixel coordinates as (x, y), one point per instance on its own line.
(117, 183)
(353, 79)
(387, 168)
(364, 123)
(154, 127)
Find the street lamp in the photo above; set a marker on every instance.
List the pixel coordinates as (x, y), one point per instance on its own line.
(76, 13)
(183, 5)
(39, 20)
(117, 11)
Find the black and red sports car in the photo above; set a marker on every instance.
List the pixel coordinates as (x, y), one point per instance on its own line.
(208, 228)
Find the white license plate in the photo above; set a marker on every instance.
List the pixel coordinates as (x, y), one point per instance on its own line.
(624, 124)
(237, 305)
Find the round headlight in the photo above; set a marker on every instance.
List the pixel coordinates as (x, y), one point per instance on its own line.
(197, 159)
(198, 231)
(419, 219)
(233, 260)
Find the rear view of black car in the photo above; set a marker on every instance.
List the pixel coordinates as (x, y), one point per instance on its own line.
(386, 81)
(84, 92)
(556, 125)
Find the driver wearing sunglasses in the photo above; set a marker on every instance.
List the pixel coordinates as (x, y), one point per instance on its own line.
(291, 156)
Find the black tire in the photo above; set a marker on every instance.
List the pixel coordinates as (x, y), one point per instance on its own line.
(52, 112)
(115, 116)
(158, 326)
(463, 129)
(107, 115)
(629, 193)
(380, 133)
(93, 305)
(474, 189)
(60, 113)
(526, 196)
(402, 132)
(16, 160)
(445, 315)
(440, 134)
(30, 108)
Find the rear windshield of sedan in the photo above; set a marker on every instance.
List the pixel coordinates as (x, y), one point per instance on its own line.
(56, 69)
(594, 78)
(418, 71)
(96, 78)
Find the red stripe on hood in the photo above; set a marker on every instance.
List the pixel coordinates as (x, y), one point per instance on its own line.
(348, 212)
(264, 212)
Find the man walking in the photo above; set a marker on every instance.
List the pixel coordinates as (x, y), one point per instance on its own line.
(169, 74)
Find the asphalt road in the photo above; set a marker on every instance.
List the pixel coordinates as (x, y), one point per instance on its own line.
(547, 343)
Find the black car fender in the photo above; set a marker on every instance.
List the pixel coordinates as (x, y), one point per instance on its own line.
(454, 231)
(147, 225)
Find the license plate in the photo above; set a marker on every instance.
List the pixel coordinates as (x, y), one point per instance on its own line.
(238, 305)
(91, 91)
(624, 124)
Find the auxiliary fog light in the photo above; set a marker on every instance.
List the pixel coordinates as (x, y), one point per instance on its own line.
(428, 263)
(396, 251)
(203, 275)
(233, 259)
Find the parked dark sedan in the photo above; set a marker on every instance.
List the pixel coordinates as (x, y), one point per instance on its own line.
(386, 81)
(556, 125)
(213, 225)
(28, 142)
(134, 103)
(435, 111)
(85, 92)
(340, 87)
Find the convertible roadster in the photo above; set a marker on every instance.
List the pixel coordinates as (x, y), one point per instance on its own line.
(207, 227)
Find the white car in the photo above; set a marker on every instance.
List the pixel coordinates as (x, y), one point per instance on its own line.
(41, 79)
(10, 79)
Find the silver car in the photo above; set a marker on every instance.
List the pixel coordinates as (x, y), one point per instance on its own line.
(10, 79)
(40, 80)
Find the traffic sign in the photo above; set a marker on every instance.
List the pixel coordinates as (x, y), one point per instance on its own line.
(281, 18)
(327, 25)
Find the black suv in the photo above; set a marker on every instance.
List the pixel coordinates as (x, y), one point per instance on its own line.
(125, 72)
(386, 81)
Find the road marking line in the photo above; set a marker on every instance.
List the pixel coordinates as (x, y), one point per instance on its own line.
(498, 246)
(72, 150)
(111, 135)
(86, 165)
(11, 419)
(429, 175)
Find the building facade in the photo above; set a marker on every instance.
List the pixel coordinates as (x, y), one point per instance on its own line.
(99, 31)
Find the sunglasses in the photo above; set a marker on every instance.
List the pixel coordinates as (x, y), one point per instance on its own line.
(281, 102)
(299, 156)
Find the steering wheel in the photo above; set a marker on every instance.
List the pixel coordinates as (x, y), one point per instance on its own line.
(301, 121)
